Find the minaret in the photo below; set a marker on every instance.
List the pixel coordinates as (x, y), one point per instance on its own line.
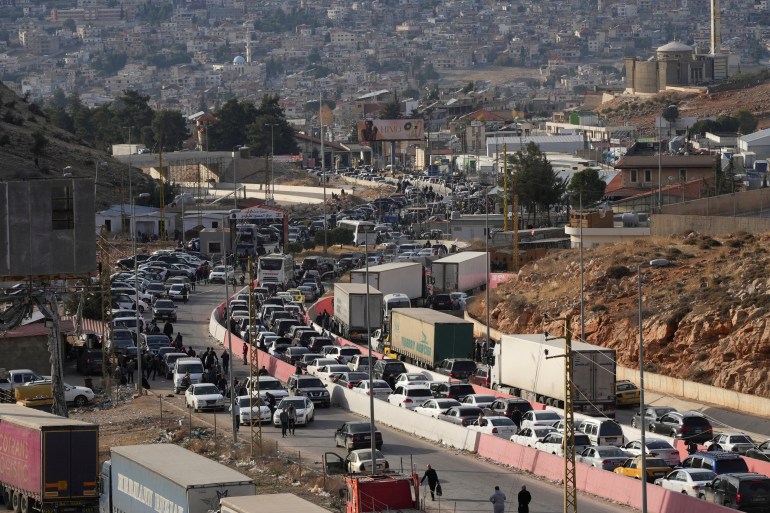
(248, 48)
(716, 30)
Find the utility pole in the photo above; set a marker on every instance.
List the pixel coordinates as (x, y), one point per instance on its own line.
(505, 187)
(253, 363)
(323, 174)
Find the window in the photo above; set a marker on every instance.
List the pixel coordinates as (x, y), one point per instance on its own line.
(215, 247)
(682, 175)
(62, 208)
(634, 177)
(648, 175)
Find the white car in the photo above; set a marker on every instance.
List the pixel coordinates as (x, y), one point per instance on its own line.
(303, 406)
(686, 480)
(381, 389)
(327, 371)
(435, 407)
(552, 443)
(204, 396)
(656, 447)
(267, 385)
(406, 256)
(251, 409)
(410, 396)
(733, 442)
(79, 396)
(536, 418)
(494, 425)
(412, 377)
(480, 400)
(221, 273)
(313, 367)
(459, 300)
(175, 292)
(529, 436)
(360, 460)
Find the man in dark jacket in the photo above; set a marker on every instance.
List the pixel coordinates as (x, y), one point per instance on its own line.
(524, 499)
(432, 477)
(168, 329)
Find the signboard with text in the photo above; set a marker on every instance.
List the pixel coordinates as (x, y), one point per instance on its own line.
(371, 130)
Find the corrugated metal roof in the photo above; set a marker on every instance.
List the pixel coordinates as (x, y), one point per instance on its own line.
(179, 465)
(463, 256)
(756, 136)
(651, 161)
(36, 419)
(36, 329)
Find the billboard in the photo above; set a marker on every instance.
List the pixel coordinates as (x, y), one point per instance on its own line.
(370, 130)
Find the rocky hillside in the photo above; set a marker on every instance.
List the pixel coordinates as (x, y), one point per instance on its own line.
(706, 315)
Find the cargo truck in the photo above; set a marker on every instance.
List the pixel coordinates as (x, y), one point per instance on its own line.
(350, 309)
(47, 463)
(269, 503)
(166, 478)
(461, 272)
(424, 337)
(521, 368)
(405, 278)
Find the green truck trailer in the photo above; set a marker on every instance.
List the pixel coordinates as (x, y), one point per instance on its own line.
(424, 337)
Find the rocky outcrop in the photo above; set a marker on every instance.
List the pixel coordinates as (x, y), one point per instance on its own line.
(705, 316)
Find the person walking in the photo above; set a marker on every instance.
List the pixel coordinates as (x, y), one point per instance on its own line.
(432, 477)
(178, 341)
(524, 499)
(292, 411)
(185, 293)
(284, 418)
(498, 501)
(130, 370)
(245, 352)
(225, 361)
(516, 418)
(168, 329)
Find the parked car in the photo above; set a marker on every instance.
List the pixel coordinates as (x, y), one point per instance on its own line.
(250, 409)
(687, 426)
(313, 367)
(440, 301)
(554, 443)
(351, 379)
(480, 376)
(310, 387)
(656, 448)
(760, 452)
(743, 491)
(360, 460)
(90, 361)
(602, 431)
(528, 436)
(221, 273)
(409, 395)
(204, 396)
(266, 385)
(380, 388)
(496, 426)
(535, 418)
(506, 406)
(361, 362)
(357, 435)
(689, 481)
(343, 354)
(632, 467)
(731, 442)
(651, 416)
(331, 372)
(388, 370)
(456, 368)
(453, 390)
(719, 462)
(435, 407)
(605, 457)
(462, 415)
(480, 400)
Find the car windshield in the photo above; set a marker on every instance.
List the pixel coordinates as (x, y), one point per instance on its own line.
(541, 432)
(359, 427)
(192, 368)
(164, 303)
(366, 455)
(658, 444)
(419, 392)
(547, 415)
(206, 390)
(755, 487)
(461, 389)
(741, 439)
(612, 452)
(482, 398)
(702, 475)
(655, 462)
(269, 384)
(356, 376)
(736, 465)
(696, 421)
(310, 382)
(582, 440)
(298, 403)
(503, 421)
(468, 410)
(245, 401)
(349, 351)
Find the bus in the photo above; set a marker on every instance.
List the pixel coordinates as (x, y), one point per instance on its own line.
(247, 240)
(276, 269)
(363, 231)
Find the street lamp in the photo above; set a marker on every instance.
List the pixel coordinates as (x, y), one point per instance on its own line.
(269, 186)
(658, 262)
(143, 195)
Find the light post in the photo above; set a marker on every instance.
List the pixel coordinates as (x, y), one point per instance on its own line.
(229, 331)
(486, 248)
(269, 189)
(658, 262)
(139, 387)
(372, 431)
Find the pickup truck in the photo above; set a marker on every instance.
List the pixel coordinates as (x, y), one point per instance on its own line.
(462, 415)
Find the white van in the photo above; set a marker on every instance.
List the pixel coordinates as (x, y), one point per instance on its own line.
(129, 323)
(602, 431)
(183, 365)
(391, 301)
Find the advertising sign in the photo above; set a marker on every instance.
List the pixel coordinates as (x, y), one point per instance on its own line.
(20, 456)
(371, 130)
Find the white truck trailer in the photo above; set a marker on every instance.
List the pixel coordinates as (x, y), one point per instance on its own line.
(350, 309)
(522, 369)
(397, 277)
(461, 272)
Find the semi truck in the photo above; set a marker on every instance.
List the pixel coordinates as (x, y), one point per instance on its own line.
(350, 307)
(521, 368)
(461, 272)
(398, 277)
(269, 503)
(47, 463)
(424, 337)
(166, 478)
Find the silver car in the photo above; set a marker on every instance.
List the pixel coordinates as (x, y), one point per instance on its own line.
(605, 457)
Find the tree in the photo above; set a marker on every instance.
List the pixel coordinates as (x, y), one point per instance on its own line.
(670, 114)
(230, 131)
(69, 24)
(271, 130)
(132, 109)
(588, 185)
(392, 109)
(169, 130)
(747, 122)
(537, 184)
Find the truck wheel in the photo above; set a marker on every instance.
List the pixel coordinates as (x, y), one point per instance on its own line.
(24, 504)
(16, 502)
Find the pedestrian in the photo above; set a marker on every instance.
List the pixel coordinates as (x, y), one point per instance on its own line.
(225, 361)
(168, 329)
(270, 398)
(292, 411)
(432, 477)
(185, 293)
(284, 418)
(524, 499)
(155, 367)
(498, 501)
(245, 352)
(516, 418)
(692, 448)
(178, 343)
(130, 370)
(191, 352)
(263, 371)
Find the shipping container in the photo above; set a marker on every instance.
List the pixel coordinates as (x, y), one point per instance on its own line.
(269, 503)
(166, 478)
(425, 337)
(405, 278)
(521, 368)
(47, 463)
(461, 272)
(350, 309)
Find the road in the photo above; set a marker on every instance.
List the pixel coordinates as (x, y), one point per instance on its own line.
(467, 481)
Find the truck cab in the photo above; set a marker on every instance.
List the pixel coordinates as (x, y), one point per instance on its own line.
(391, 301)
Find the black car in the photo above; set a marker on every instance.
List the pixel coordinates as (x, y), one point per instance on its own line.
(310, 387)
(357, 435)
(441, 302)
(456, 368)
(688, 426)
(90, 361)
(457, 391)
(154, 341)
(164, 309)
(760, 452)
(747, 491)
(506, 406)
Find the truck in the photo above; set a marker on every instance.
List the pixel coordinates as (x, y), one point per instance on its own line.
(166, 478)
(424, 337)
(461, 272)
(47, 463)
(350, 309)
(269, 503)
(521, 368)
(398, 277)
